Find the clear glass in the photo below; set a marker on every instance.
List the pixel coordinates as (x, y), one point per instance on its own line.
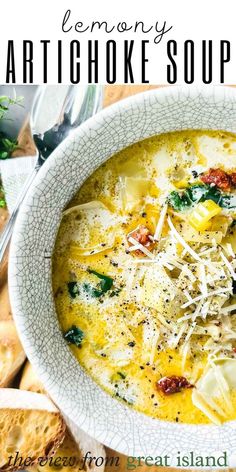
(56, 111)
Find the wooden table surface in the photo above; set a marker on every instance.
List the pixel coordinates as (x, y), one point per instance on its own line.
(112, 94)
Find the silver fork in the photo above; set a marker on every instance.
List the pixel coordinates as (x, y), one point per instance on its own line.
(50, 125)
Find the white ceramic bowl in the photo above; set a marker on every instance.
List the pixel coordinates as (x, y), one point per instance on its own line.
(105, 418)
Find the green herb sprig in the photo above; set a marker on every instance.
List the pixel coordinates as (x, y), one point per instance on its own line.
(2, 198)
(7, 145)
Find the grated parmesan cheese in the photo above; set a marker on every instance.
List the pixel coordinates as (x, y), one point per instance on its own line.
(190, 332)
(230, 250)
(161, 221)
(203, 285)
(228, 265)
(182, 241)
(210, 294)
(141, 248)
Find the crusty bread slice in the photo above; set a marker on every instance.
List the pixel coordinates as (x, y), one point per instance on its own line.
(5, 307)
(12, 354)
(70, 457)
(30, 381)
(67, 458)
(76, 442)
(31, 425)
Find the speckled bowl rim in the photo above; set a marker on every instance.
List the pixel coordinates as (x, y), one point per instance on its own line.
(97, 413)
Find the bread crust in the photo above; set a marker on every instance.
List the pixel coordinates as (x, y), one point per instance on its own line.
(31, 426)
(30, 381)
(12, 354)
(50, 452)
(5, 307)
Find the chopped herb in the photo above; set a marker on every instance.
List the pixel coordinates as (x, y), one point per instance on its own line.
(200, 193)
(74, 336)
(73, 289)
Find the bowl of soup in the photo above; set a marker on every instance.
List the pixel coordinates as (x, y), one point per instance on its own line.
(123, 274)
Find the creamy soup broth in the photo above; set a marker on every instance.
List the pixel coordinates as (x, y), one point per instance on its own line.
(143, 276)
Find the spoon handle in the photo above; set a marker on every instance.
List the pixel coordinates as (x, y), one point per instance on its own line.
(7, 232)
(72, 114)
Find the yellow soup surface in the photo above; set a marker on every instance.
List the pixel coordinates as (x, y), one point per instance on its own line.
(143, 276)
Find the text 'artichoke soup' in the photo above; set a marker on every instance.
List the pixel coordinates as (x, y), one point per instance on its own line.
(144, 276)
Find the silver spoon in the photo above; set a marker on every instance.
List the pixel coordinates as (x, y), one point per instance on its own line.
(56, 111)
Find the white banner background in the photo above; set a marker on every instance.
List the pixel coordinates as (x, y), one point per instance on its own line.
(190, 19)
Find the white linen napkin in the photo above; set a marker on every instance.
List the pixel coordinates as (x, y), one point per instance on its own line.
(14, 172)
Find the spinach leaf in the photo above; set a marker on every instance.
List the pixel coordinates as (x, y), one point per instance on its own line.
(74, 336)
(194, 194)
(200, 193)
(106, 282)
(102, 287)
(73, 289)
(179, 201)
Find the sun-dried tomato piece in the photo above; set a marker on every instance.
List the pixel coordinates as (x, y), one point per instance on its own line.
(217, 177)
(233, 179)
(173, 384)
(143, 236)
